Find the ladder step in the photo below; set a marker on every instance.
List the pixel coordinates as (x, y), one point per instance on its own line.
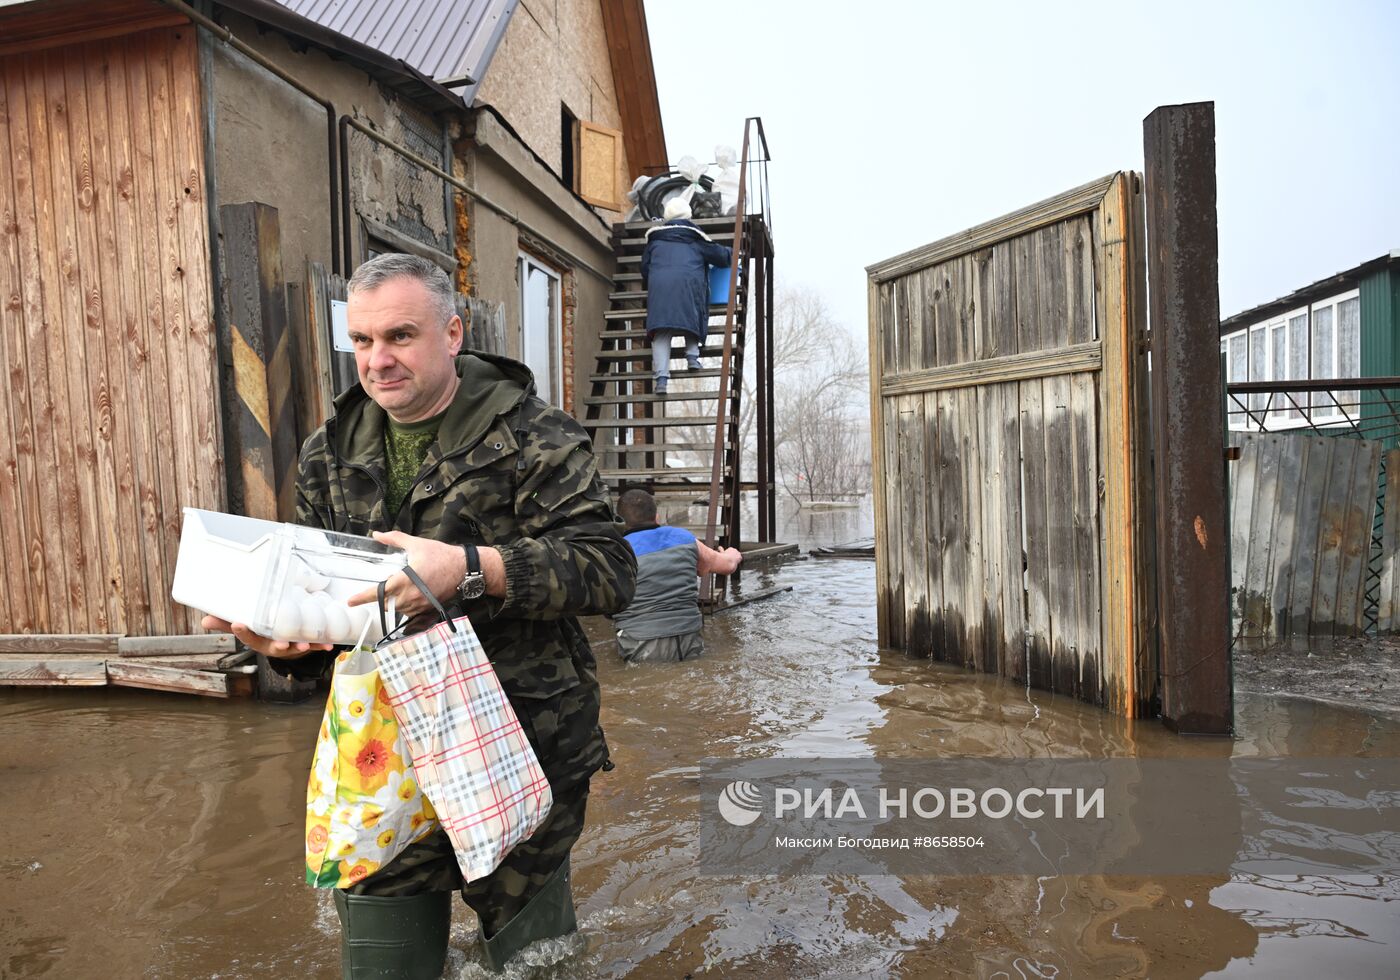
(650, 423)
(644, 354)
(669, 472)
(706, 225)
(654, 447)
(678, 396)
(640, 241)
(640, 313)
(638, 377)
(628, 277)
(716, 335)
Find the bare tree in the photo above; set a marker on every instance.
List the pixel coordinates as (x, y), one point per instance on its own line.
(802, 330)
(821, 438)
(820, 433)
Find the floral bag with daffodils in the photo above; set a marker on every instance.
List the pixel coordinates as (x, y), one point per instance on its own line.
(363, 802)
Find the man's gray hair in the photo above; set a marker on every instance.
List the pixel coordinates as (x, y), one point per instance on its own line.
(394, 265)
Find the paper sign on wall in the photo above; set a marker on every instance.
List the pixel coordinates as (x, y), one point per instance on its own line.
(340, 327)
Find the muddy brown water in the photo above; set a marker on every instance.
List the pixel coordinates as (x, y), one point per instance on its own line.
(151, 835)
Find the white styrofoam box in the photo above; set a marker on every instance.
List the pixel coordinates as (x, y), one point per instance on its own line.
(264, 574)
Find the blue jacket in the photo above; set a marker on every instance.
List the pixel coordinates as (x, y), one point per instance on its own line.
(676, 276)
(665, 601)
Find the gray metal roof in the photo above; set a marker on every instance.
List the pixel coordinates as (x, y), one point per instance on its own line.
(444, 39)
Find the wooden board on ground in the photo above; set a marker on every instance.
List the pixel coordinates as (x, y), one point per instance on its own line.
(157, 646)
(97, 644)
(52, 672)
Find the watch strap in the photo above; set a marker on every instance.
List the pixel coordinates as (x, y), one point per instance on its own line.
(473, 582)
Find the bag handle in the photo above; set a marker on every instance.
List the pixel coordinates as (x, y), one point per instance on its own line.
(422, 587)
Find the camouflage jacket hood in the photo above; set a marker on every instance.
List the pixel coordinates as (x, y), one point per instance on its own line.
(507, 471)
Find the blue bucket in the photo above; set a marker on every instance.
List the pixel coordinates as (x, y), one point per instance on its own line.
(719, 285)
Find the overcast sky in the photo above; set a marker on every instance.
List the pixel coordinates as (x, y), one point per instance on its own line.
(895, 124)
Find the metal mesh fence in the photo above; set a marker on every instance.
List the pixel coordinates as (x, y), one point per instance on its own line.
(414, 200)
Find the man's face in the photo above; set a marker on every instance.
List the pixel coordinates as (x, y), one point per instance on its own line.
(403, 349)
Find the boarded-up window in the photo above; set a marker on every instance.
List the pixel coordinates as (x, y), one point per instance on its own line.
(600, 158)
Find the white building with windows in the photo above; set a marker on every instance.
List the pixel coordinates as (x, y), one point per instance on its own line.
(1341, 327)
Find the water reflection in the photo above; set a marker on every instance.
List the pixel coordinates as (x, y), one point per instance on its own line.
(152, 835)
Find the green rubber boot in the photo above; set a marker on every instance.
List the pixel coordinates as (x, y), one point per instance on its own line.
(549, 915)
(398, 936)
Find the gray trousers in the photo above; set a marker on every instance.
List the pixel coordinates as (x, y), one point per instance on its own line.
(661, 350)
(662, 649)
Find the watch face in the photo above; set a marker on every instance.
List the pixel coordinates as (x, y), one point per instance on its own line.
(474, 587)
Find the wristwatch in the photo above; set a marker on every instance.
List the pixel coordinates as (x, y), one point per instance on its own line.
(473, 582)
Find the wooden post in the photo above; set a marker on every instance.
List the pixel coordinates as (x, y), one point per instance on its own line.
(260, 423)
(1192, 560)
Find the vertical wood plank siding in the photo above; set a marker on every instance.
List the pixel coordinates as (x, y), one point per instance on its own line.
(110, 420)
(1007, 375)
(1301, 513)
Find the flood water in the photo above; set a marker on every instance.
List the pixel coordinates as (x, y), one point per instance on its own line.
(154, 835)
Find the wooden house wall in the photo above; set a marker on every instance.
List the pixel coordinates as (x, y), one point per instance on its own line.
(108, 420)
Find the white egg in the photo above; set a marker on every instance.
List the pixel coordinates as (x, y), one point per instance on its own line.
(316, 582)
(313, 621)
(337, 621)
(286, 625)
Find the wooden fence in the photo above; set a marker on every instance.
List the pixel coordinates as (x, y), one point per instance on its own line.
(1013, 507)
(1301, 512)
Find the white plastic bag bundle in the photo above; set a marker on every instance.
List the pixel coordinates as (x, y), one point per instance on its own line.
(692, 170)
(727, 180)
(635, 213)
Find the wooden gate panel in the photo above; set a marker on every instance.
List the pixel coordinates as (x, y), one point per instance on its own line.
(1085, 532)
(891, 488)
(1021, 438)
(913, 525)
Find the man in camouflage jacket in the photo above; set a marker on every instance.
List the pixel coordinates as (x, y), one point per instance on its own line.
(517, 478)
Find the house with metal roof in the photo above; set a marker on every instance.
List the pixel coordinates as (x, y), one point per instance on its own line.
(188, 185)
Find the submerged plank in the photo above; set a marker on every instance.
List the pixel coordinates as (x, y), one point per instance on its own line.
(153, 677)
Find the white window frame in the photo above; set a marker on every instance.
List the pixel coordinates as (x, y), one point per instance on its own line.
(1329, 409)
(1259, 365)
(525, 263)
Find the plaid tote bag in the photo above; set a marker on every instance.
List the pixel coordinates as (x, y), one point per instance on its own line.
(469, 752)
